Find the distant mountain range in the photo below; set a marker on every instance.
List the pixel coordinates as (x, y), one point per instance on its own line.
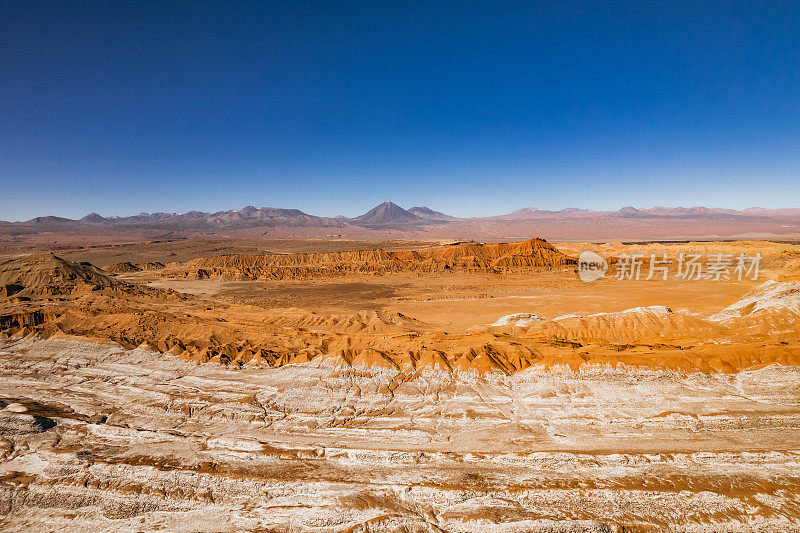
(243, 218)
(385, 215)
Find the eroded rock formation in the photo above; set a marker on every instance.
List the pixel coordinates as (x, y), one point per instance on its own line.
(462, 257)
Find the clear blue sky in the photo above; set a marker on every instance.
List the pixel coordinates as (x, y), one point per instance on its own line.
(473, 108)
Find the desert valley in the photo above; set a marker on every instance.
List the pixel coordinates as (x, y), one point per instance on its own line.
(293, 384)
(267, 266)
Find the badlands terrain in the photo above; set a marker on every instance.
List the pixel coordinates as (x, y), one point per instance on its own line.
(406, 385)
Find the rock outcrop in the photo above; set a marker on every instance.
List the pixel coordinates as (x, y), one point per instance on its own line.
(47, 274)
(461, 257)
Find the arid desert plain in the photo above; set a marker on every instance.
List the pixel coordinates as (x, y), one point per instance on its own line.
(399, 386)
(399, 267)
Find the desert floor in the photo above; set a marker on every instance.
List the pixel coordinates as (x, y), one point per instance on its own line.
(607, 406)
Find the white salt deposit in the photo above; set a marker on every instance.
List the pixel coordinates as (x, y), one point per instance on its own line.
(519, 319)
(769, 296)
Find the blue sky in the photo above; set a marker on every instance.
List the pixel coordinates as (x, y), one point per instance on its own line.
(472, 108)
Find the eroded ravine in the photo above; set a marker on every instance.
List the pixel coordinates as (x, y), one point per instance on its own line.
(106, 438)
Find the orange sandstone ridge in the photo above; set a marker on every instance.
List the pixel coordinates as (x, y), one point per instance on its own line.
(462, 257)
(49, 297)
(127, 266)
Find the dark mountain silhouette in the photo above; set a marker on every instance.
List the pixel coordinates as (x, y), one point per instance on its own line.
(386, 213)
(94, 218)
(428, 213)
(244, 218)
(389, 215)
(627, 211)
(532, 212)
(50, 220)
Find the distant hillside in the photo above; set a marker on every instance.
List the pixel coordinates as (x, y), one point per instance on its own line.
(532, 212)
(428, 213)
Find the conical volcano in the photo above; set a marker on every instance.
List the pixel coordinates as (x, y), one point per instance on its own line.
(386, 213)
